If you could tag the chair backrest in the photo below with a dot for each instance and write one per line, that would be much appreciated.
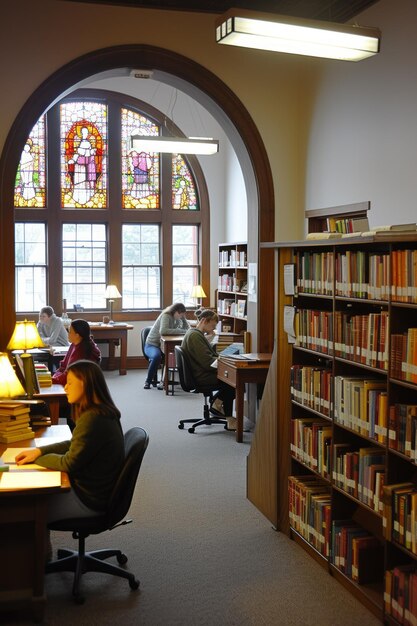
(143, 335)
(136, 441)
(185, 372)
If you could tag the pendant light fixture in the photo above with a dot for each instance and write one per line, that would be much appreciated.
(281, 33)
(175, 145)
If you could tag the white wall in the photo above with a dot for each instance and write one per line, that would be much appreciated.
(362, 141)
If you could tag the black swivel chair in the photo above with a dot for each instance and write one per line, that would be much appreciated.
(143, 335)
(188, 383)
(79, 561)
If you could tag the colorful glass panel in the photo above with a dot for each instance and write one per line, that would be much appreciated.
(84, 155)
(140, 170)
(184, 195)
(30, 185)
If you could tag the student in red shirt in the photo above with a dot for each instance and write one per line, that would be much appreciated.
(82, 347)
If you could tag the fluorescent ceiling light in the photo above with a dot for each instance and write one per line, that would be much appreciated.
(280, 33)
(175, 145)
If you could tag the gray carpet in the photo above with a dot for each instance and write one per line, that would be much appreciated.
(204, 555)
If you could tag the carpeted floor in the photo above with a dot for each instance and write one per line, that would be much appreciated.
(204, 555)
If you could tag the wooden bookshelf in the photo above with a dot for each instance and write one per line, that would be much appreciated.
(232, 288)
(321, 220)
(340, 406)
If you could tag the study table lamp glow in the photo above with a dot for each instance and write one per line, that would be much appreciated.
(281, 33)
(25, 337)
(197, 292)
(111, 294)
(10, 386)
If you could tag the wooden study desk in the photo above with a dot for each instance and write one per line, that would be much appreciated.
(113, 334)
(55, 397)
(168, 343)
(236, 374)
(23, 537)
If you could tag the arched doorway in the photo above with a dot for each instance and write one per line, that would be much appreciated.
(213, 94)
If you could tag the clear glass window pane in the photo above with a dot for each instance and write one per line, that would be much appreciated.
(184, 278)
(30, 263)
(141, 266)
(185, 245)
(84, 268)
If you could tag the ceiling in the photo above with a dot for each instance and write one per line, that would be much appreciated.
(330, 10)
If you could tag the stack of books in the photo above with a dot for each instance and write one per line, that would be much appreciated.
(14, 422)
(43, 375)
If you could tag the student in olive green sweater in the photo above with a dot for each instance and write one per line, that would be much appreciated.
(94, 457)
(202, 355)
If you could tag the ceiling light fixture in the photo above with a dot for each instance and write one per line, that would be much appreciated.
(280, 33)
(175, 145)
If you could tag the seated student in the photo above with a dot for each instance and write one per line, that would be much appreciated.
(93, 457)
(202, 354)
(82, 347)
(170, 322)
(51, 328)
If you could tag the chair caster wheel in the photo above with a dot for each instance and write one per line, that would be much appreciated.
(191, 430)
(122, 559)
(180, 426)
(134, 584)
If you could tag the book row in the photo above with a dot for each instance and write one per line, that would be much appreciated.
(400, 594)
(310, 510)
(358, 274)
(402, 435)
(399, 521)
(311, 444)
(404, 355)
(232, 258)
(356, 553)
(360, 473)
(229, 282)
(228, 306)
(361, 405)
(311, 387)
(359, 338)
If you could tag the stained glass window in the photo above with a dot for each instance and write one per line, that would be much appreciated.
(84, 155)
(184, 195)
(30, 178)
(82, 226)
(140, 170)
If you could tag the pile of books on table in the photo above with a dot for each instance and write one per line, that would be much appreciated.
(14, 422)
(43, 375)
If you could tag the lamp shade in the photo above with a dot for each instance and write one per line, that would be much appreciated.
(25, 336)
(198, 292)
(112, 292)
(175, 145)
(281, 33)
(10, 386)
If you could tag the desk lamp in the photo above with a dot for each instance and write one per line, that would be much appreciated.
(10, 386)
(111, 294)
(197, 292)
(25, 337)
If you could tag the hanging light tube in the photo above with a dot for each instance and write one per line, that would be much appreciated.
(280, 33)
(175, 145)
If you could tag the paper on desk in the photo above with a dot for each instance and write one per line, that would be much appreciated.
(10, 454)
(29, 480)
(28, 467)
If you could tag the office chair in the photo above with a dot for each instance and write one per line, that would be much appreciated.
(143, 335)
(188, 383)
(79, 561)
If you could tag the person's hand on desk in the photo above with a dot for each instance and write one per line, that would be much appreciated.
(27, 456)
